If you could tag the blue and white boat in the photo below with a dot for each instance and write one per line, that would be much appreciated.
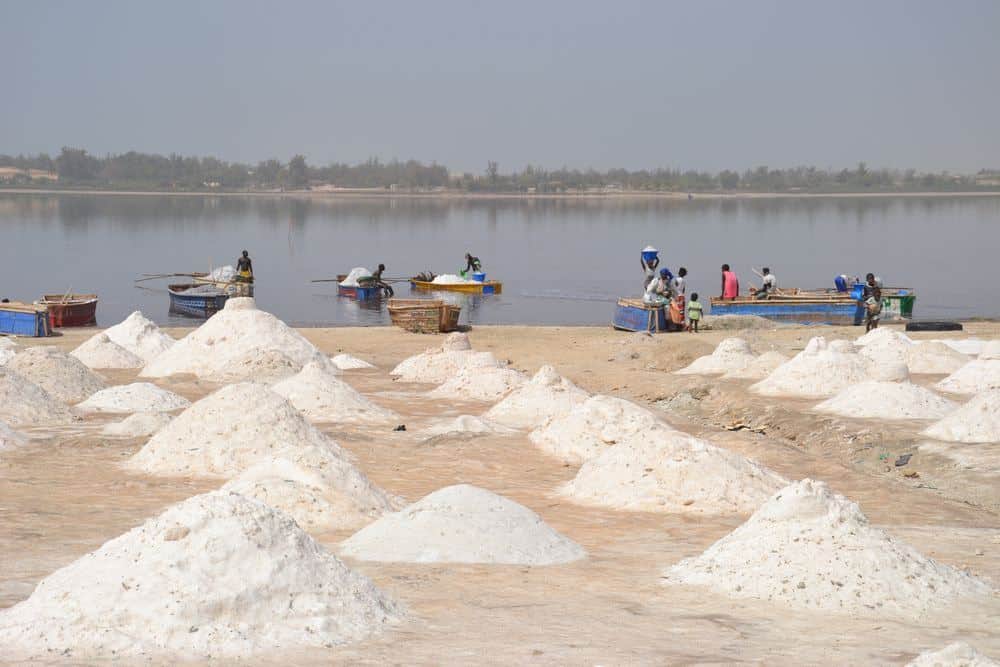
(197, 300)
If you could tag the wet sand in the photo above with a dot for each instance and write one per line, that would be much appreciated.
(65, 495)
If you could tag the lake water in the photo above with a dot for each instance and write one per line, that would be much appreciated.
(561, 261)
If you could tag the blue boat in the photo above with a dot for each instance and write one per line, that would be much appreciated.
(360, 293)
(24, 319)
(196, 300)
(636, 315)
(819, 306)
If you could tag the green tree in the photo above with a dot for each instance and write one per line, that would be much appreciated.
(298, 171)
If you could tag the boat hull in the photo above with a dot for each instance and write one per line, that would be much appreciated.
(634, 315)
(75, 311)
(488, 287)
(195, 305)
(897, 305)
(360, 293)
(22, 319)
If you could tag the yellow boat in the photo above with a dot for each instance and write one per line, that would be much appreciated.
(487, 287)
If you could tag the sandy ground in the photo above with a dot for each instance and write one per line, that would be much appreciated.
(65, 495)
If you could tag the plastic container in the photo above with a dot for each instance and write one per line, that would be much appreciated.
(858, 291)
(841, 283)
(649, 253)
(479, 277)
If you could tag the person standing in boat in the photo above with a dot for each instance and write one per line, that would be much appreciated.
(377, 277)
(872, 297)
(768, 284)
(730, 284)
(472, 263)
(244, 268)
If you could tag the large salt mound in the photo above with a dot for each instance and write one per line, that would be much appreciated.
(138, 425)
(24, 403)
(958, 654)
(936, 358)
(318, 489)
(887, 400)
(226, 432)
(99, 351)
(346, 362)
(547, 395)
(889, 347)
(9, 438)
(976, 421)
(64, 377)
(670, 471)
(818, 371)
(480, 384)
(593, 426)
(976, 376)
(218, 575)
(323, 397)
(732, 354)
(759, 368)
(462, 524)
(140, 336)
(238, 336)
(812, 548)
(437, 366)
(135, 397)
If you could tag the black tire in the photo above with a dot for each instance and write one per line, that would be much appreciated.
(934, 325)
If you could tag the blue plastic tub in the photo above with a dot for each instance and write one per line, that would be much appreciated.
(857, 291)
(479, 277)
(650, 253)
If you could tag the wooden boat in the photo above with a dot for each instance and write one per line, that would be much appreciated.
(230, 287)
(196, 300)
(424, 315)
(361, 293)
(637, 315)
(24, 319)
(818, 306)
(485, 287)
(71, 310)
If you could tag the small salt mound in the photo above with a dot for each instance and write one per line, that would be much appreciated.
(135, 397)
(9, 438)
(976, 376)
(256, 366)
(887, 400)
(990, 351)
(967, 346)
(732, 354)
(346, 362)
(958, 654)
(881, 336)
(352, 277)
(818, 371)
(99, 351)
(547, 395)
(480, 384)
(593, 426)
(238, 334)
(976, 421)
(450, 279)
(437, 366)
(218, 575)
(323, 397)
(64, 377)
(140, 336)
(670, 471)
(889, 371)
(138, 425)
(889, 347)
(759, 368)
(810, 547)
(317, 489)
(456, 342)
(934, 358)
(226, 432)
(462, 524)
(24, 403)
(466, 424)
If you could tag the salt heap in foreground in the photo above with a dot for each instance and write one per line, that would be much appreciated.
(218, 575)
(235, 343)
(885, 346)
(99, 351)
(732, 354)
(438, 365)
(671, 471)
(958, 654)
(934, 358)
(65, 378)
(140, 336)
(320, 396)
(759, 368)
(138, 425)
(480, 384)
(346, 362)
(976, 376)
(809, 547)
(135, 397)
(227, 432)
(547, 395)
(821, 369)
(976, 421)
(24, 403)
(887, 400)
(462, 524)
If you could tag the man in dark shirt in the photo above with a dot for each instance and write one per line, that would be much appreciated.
(386, 287)
(472, 263)
(244, 268)
(872, 298)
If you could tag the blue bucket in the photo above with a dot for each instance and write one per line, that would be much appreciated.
(649, 253)
(858, 292)
(479, 277)
(841, 283)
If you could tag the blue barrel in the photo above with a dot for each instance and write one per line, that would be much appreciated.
(649, 253)
(858, 291)
(479, 277)
(841, 283)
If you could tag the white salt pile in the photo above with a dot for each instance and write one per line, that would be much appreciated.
(218, 575)
(976, 376)
(450, 279)
(480, 384)
(881, 336)
(233, 338)
(967, 346)
(64, 377)
(887, 400)
(818, 371)
(226, 432)
(24, 403)
(935, 358)
(319, 490)
(466, 424)
(593, 426)
(888, 347)
(462, 524)
(138, 425)
(547, 395)
(976, 421)
(323, 397)
(261, 366)
(225, 274)
(958, 654)
(810, 547)
(135, 397)
(353, 275)
(670, 471)
(346, 362)
(140, 336)
(99, 351)
(991, 350)
(732, 354)
(759, 368)
(9, 438)
(440, 364)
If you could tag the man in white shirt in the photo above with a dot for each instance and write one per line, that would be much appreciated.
(768, 284)
(658, 290)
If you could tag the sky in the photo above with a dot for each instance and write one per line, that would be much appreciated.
(694, 85)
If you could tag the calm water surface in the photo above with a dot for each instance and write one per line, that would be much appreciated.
(561, 262)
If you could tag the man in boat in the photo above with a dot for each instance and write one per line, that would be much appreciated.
(244, 268)
(377, 278)
(472, 263)
(872, 297)
(730, 284)
(768, 284)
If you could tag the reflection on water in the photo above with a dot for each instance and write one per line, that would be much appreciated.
(561, 261)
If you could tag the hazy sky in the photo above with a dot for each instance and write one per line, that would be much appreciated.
(706, 85)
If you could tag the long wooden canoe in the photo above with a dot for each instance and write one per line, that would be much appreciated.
(818, 306)
(487, 287)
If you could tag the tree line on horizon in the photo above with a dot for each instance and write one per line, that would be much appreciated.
(78, 168)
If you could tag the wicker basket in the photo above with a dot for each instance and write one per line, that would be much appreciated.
(424, 315)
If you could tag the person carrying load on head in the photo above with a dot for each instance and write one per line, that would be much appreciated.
(730, 284)
(872, 299)
(768, 284)
(649, 260)
(244, 268)
(658, 290)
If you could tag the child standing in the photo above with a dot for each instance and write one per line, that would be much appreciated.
(694, 312)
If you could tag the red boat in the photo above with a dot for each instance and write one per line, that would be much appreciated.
(71, 310)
